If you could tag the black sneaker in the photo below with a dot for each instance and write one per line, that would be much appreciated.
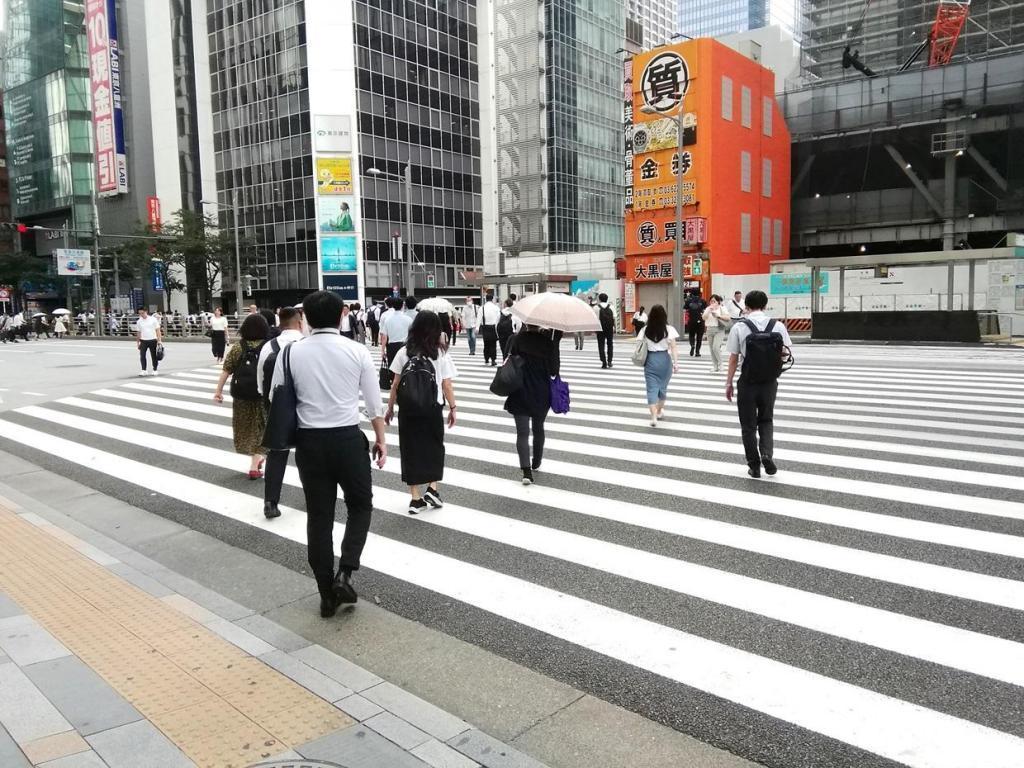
(416, 506)
(527, 476)
(604, 365)
(433, 498)
(536, 464)
(270, 510)
(344, 592)
(769, 466)
(754, 470)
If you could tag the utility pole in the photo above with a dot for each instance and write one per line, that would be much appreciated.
(674, 304)
(238, 253)
(96, 267)
(67, 280)
(408, 217)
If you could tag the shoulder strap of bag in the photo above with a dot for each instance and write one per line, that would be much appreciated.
(747, 322)
(768, 328)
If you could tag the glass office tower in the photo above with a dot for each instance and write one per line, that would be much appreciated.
(559, 109)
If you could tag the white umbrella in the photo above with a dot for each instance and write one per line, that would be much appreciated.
(38, 314)
(558, 311)
(437, 305)
(61, 312)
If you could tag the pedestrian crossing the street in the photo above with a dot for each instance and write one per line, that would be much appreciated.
(864, 607)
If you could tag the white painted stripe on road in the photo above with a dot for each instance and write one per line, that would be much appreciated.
(923, 471)
(958, 648)
(900, 527)
(969, 585)
(890, 727)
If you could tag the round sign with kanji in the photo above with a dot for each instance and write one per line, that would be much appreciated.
(5, 294)
(665, 81)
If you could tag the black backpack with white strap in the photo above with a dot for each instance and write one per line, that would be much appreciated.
(417, 389)
(766, 356)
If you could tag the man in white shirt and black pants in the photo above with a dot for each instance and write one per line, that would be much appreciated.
(735, 308)
(290, 320)
(490, 313)
(148, 336)
(330, 372)
(759, 380)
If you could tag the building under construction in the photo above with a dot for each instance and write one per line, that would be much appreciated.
(915, 147)
(885, 34)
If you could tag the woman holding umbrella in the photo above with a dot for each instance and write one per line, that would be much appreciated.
(58, 326)
(545, 317)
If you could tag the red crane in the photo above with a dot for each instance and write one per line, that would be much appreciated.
(949, 22)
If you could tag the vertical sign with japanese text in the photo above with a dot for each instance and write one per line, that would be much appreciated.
(105, 92)
(627, 130)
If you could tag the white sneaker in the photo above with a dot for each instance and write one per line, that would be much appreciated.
(654, 422)
(154, 373)
(661, 415)
(143, 373)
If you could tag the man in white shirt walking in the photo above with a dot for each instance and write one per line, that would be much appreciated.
(277, 461)
(148, 336)
(735, 308)
(470, 320)
(490, 314)
(394, 330)
(754, 348)
(330, 372)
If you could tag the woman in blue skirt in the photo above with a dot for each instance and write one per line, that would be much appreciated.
(662, 360)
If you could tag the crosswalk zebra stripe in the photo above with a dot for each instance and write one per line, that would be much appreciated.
(884, 725)
(900, 527)
(926, 576)
(958, 648)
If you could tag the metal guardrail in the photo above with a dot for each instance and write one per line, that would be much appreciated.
(1012, 329)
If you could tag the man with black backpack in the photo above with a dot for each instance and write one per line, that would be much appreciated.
(606, 315)
(507, 326)
(290, 326)
(760, 347)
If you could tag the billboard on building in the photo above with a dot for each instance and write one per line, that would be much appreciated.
(338, 254)
(73, 262)
(334, 175)
(336, 214)
(105, 91)
(332, 133)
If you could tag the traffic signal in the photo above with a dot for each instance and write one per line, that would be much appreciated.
(13, 226)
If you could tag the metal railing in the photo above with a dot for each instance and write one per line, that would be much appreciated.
(999, 326)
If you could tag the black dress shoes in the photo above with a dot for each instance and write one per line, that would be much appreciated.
(769, 465)
(344, 592)
(753, 469)
(270, 510)
(328, 606)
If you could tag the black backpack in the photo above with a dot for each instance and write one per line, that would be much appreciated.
(268, 368)
(607, 318)
(504, 327)
(417, 389)
(243, 380)
(766, 357)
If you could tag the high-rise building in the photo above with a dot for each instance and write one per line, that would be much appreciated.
(655, 19)
(712, 18)
(559, 124)
(332, 122)
(95, 93)
(886, 33)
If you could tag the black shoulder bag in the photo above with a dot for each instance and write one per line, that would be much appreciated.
(283, 420)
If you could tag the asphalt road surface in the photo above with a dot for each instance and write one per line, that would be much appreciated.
(862, 608)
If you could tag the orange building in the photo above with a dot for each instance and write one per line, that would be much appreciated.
(734, 164)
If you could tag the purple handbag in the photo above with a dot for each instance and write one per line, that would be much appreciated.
(559, 395)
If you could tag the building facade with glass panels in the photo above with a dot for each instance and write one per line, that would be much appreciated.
(713, 18)
(559, 125)
(657, 20)
(319, 107)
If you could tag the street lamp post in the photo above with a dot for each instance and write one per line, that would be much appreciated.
(674, 308)
(407, 178)
(238, 247)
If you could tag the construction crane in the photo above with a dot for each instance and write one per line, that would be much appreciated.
(942, 38)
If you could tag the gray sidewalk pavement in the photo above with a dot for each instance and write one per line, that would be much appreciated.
(418, 697)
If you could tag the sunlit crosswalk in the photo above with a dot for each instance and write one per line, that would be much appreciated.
(863, 607)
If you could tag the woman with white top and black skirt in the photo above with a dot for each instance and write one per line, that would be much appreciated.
(421, 432)
(218, 334)
(662, 360)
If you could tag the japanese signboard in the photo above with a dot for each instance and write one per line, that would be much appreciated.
(782, 283)
(332, 133)
(105, 90)
(153, 212)
(661, 131)
(656, 232)
(74, 262)
(334, 175)
(336, 214)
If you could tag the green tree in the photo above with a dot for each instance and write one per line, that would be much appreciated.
(19, 267)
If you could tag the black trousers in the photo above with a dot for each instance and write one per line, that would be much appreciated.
(273, 475)
(503, 343)
(756, 406)
(391, 350)
(327, 458)
(696, 333)
(490, 336)
(374, 333)
(150, 346)
(604, 342)
(523, 424)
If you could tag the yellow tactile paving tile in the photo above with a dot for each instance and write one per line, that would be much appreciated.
(222, 707)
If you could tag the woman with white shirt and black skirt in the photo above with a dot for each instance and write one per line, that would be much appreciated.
(218, 334)
(662, 360)
(424, 363)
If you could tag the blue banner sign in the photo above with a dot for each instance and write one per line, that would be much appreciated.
(782, 283)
